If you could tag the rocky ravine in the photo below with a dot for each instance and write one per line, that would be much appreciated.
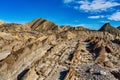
(41, 50)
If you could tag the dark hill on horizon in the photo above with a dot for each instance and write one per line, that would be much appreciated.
(118, 27)
(108, 28)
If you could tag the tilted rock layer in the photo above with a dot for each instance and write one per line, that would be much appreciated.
(41, 50)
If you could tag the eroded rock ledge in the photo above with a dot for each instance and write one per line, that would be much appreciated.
(41, 50)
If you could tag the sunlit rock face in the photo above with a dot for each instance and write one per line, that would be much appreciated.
(41, 50)
(2, 22)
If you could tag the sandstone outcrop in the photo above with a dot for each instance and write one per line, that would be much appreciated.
(1, 22)
(41, 50)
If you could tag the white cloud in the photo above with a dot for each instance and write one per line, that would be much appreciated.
(94, 5)
(67, 1)
(97, 5)
(80, 25)
(104, 21)
(96, 17)
(115, 16)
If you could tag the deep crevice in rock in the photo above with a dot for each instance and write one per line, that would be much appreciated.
(20, 76)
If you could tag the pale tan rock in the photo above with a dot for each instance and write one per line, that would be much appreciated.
(1, 22)
(40, 50)
(31, 75)
(101, 56)
(4, 54)
(71, 35)
(109, 64)
(91, 70)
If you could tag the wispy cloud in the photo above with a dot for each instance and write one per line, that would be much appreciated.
(67, 1)
(94, 5)
(96, 17)
(115, 16)
(97, 5)
(75, 25)
(80, 25)
(104, 21)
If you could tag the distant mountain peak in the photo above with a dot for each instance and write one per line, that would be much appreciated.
(108, 28)
(106, 25)
(39, 19)
(41, 24)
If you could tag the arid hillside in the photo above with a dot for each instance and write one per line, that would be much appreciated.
(42, 50)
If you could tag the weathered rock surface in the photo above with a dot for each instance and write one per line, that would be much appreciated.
(41, 50)
(1, 22)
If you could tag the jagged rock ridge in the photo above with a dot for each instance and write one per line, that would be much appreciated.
(41, 50)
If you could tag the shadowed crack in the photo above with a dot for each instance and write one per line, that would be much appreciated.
(116, 74)
(20, 76)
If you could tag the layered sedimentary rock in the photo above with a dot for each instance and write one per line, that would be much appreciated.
(41, 50)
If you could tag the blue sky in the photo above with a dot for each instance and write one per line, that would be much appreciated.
(89, 13)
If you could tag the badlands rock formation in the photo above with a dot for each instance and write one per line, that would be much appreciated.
(1, 22)
(41, 50)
